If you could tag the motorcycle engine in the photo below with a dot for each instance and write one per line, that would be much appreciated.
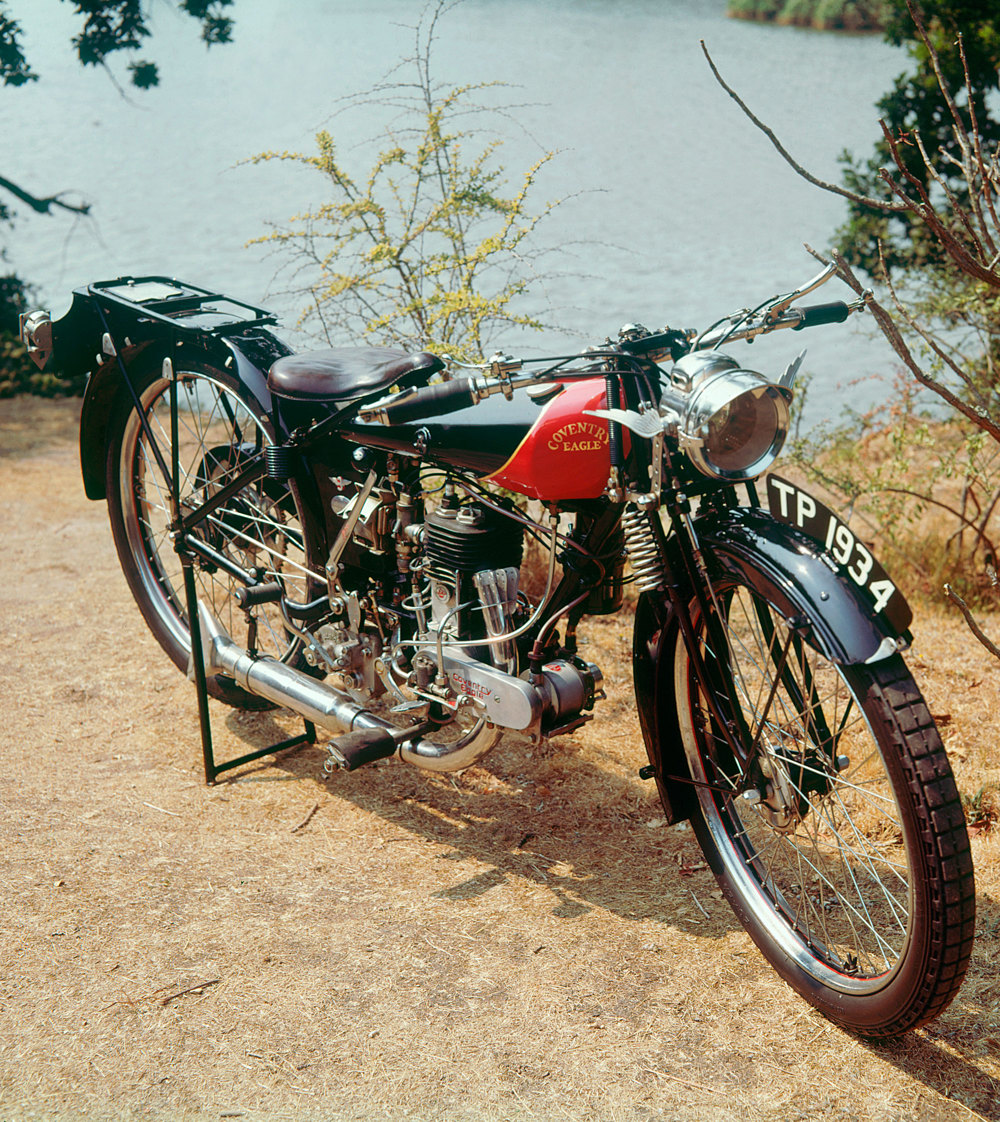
(461, 544)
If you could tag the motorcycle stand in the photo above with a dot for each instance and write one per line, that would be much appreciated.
(190, 300)
(212, 768)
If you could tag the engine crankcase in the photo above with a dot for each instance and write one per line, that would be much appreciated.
(562, 690)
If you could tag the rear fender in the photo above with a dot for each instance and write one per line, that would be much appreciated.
(779, 562)
(248, 358)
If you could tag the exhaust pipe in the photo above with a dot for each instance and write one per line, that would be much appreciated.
(333, 710)
(282, 684)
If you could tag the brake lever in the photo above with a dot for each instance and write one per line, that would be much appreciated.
(782, 306)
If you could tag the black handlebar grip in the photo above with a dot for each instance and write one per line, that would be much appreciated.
(429, 401)
(819, 314)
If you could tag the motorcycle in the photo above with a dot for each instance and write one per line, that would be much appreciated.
(347, 529)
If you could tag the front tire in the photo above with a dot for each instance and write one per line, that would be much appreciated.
(840, 840)
(265, 527)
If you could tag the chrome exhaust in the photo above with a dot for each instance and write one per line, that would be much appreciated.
(330, 708)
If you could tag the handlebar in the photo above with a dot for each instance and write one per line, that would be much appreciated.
(795, 318)
(427, 401)
(835, 312)
(501, 375)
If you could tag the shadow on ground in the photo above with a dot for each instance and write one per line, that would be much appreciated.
(590, 845)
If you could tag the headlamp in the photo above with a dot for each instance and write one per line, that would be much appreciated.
(731, 422)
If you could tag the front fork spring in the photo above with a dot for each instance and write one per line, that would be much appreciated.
(643, 546)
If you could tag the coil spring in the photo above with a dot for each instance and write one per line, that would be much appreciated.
(643, 549)
(279, 461)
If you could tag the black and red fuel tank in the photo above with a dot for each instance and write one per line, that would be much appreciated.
(545, 447)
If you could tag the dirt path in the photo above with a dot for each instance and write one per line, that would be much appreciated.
(527, 941)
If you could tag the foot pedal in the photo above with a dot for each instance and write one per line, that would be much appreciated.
(355, 749)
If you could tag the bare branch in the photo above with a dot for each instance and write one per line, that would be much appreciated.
(979, 417)
(41, 205)
(936, 64)
(924, 209)
(956, 207)
(887, 325)
(988, 176)
(833, 188)
(965, 523)
(973, 626)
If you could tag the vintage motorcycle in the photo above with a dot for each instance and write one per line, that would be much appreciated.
(348, 529)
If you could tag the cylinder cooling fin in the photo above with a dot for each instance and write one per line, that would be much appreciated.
(471, 538)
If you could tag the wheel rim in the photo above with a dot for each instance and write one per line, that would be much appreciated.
(260, 528)
(821, 861)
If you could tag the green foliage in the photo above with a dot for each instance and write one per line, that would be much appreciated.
(14, 298)
(755, 9)
(827, 15)
(14, 68)
(428, 248)
(916, 106)
(982, 812)
(110, 26)
(18, 374)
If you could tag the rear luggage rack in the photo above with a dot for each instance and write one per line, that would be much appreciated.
(184, 307)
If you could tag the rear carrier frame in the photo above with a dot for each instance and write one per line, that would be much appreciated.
(141, 305)
(177, 304)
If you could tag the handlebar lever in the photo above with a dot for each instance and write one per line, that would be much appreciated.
(777, 310)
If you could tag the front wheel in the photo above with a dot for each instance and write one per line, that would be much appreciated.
(834, 827)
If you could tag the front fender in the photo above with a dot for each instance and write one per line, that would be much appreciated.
(769, 556)
(654, 641)
(779, 562)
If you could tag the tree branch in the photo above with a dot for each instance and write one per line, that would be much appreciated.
(887, 325)
(42, 205)
(973, 626)
(833, 188)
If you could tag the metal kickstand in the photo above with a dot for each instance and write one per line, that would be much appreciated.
(186, 558)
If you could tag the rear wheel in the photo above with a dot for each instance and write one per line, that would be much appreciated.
(835, 829)
(264, 527)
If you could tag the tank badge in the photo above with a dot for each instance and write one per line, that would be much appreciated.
(579, 436)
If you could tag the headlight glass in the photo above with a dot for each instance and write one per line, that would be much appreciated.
(742, 433)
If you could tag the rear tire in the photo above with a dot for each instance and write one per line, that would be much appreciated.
(265, 526)
(852, 871)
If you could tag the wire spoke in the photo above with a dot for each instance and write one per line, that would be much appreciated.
(824, 845)
(258, 527)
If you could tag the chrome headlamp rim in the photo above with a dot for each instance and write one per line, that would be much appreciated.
(732, 422)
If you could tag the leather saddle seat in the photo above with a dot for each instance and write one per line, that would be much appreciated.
(345, 373)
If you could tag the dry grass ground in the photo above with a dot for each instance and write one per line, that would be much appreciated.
(526, 941)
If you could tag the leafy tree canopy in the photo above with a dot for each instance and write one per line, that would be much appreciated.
(108, 26)
(915, 113)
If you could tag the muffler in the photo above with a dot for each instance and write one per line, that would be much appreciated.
(331, 709)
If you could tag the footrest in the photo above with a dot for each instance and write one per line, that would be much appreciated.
(355, 749)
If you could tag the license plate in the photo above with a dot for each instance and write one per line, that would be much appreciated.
(838, 542)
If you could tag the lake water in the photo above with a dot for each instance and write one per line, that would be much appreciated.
(680, 209)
